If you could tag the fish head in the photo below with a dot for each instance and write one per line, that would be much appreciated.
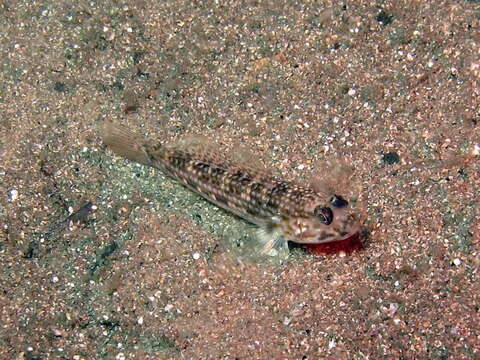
(323, 222)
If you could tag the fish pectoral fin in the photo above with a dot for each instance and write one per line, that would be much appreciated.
(271, 240)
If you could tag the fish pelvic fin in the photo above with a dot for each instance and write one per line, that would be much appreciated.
(271, 240)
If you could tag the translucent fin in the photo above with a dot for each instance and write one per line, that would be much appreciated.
(124, 142)
(213, 150)
(332, 176)
(246, 242)
(271, 240)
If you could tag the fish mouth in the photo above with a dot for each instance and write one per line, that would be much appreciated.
(348, 226)
(352, 231)
(339, 236)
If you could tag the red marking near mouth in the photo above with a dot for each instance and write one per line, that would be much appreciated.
(348, 246)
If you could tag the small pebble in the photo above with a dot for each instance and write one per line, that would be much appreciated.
(391, 158)
(12, 195)
(476, 150)
(392, 309)
(331, 344)
(196, 256)
(384, 18)
(457, 262)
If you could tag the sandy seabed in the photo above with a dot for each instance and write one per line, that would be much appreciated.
(104, 259)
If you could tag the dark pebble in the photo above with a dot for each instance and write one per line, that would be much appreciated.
(391, 158)
(384, 18)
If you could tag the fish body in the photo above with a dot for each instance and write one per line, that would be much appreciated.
(283, 211)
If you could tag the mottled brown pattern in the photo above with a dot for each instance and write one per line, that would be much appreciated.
(287, 210)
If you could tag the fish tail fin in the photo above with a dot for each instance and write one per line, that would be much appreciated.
(124, 142)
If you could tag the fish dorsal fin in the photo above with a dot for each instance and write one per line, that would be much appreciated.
(239, 158)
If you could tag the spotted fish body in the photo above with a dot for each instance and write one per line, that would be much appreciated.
(284, 211)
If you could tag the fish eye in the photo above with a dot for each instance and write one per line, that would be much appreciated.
(324, 213)
(338, 202)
